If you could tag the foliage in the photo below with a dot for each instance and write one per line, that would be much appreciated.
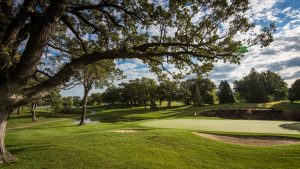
(134, 92)
(225, 93)
(112, 95)
(185, 95)
(80, 33)
(55, 100)
(77, 101)
(197, 99)
(68, 103)
(96, 99)
(206, 87)
(209, 97)
(170, 90)
(261, 87)
(294, 91)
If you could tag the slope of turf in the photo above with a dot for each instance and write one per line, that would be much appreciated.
(245, 126)
(65, 145)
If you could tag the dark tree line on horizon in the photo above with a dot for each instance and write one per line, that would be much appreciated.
(254, 88)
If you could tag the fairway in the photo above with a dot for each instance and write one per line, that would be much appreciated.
(245, 126)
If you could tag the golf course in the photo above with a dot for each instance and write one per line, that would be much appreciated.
(122, 137)
(149, 84)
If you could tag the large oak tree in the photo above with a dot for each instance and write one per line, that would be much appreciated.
(36, 38)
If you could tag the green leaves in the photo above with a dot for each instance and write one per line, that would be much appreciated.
(261, 87)
(243, 49)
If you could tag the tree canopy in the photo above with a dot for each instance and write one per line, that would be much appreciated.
(294, 91)
(225, 93)
(71, 34)
(261, 87)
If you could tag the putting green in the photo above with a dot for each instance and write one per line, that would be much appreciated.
(245, 126)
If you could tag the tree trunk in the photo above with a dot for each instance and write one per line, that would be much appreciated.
(19, 110)
(33, 108)
(83, 113)
(145, 104)
(169, 103)
(160, 100)
(153, 105)
(5, 156)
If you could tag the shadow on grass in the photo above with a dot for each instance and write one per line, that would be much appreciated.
(20, 149)
(291, 126)
(124, 113)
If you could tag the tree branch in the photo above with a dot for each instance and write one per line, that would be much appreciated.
(18, 22)
(69, 25)
(96, 28)
(37, 41)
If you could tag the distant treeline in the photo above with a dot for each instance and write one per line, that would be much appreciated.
(254, 88)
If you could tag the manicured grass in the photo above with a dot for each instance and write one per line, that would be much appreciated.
(65, 145)
(245, 126)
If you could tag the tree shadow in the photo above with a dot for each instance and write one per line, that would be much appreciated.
(291, 126)
(15, 150)
(120, 113)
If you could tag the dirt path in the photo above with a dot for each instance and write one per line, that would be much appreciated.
(36, 124)
(251, 140)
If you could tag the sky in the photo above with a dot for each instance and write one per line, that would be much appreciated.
(282, 56)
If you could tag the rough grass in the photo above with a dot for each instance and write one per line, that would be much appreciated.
(64, 145)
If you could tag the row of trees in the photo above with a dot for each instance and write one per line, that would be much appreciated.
(140, 91)
(254, 88)
(261, 87)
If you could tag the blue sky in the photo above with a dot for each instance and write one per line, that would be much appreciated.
(282, 56)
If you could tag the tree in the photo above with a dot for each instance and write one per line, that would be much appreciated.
(19, 110)
(185, 95)
(33, 109)
(96, 98)
(225, 93)
(207, 90)
(96, 75)
(261, 87)
(294, 91)
(68, 103)
(77, 101)
(169, 90)
(197, 99)
(148, 90)
(115, 30)
(209, 97)
(111, 95)
(55, 101)
(139, 92)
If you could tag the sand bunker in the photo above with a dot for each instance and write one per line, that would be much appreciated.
(251, 140)
(130, 130)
